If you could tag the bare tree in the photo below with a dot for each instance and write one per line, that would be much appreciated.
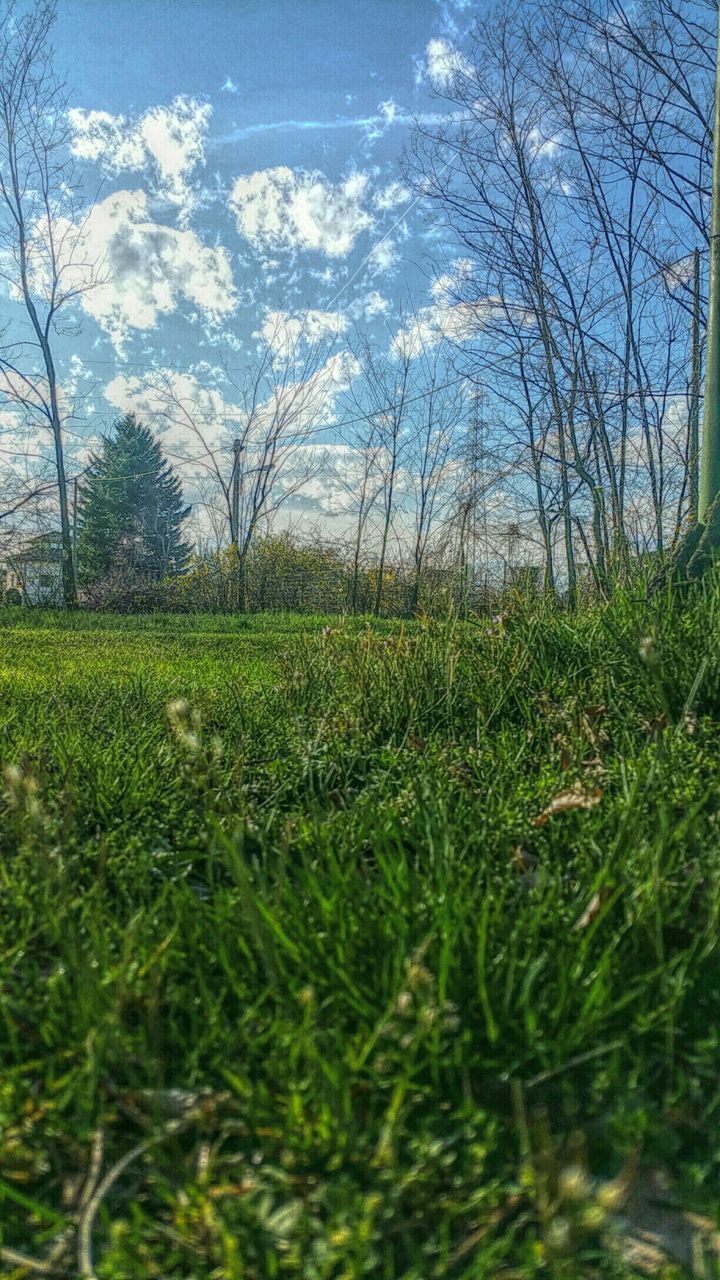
(382, 392)
(572, 170)
(433, 454)
(363, 484)
(42, 247)
(256, 447)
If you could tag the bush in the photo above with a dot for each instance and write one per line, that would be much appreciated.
(283, 575)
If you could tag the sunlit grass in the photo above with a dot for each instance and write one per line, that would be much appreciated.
(390, 952)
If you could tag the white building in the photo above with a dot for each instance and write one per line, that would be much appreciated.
(36, 571)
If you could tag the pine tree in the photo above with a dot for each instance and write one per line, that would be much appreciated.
(130, 510)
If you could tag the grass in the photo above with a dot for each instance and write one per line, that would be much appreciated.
(387, 951)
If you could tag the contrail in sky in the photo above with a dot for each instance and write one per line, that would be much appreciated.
(341, 122)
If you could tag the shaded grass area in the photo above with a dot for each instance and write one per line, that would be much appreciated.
(390, 951)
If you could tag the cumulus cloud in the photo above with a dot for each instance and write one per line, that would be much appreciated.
(309, 403)
(291, 209)
(456, 321)
(391, 196)
(18, 438)
(283, 331)
(542, 145)
(192, 417)
(447, 285)
(188, 415)
(29, 394)
(450, 13)
(169, 140)
(333, 483)
(388, 114)
(384, 256)
(443, 62)
(148, 268)
(368, 306)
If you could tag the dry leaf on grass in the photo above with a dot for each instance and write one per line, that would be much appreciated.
(594, 765)
(591, 912)
(576, 797)
(657, 725)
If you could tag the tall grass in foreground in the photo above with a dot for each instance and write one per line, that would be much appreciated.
(359, 952)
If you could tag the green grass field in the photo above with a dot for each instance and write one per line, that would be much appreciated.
(333, 951)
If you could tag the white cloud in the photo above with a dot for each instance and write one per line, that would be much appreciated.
(458, 321)
(169, 139)
(282, 331)
(108, 140)
(448, 284)
(443, 62)
(391, 196)
(149, 268)
(388, 114)
(389, 110)
(384, 256)
(29, 394)
(448, 315)
(230, 86)
(542, 145)
(18, 439)
(450, 11)
(333, 487)
(190, 416)
(172, 402)
(310, 403)
(291, 209)
(368, 306)
(677, 274)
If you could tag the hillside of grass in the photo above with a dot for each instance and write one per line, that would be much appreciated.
(339, 950)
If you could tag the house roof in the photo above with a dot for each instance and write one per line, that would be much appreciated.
(45, 549)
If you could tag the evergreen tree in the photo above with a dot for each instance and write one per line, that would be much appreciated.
(130, 509)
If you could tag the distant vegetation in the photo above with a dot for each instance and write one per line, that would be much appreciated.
(283, 573)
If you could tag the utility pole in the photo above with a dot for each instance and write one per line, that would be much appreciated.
(694, 415)
(235, 523)
(235, 505)
(475, 463)
(74, 527)
(710, 456)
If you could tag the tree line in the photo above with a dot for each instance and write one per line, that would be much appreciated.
(542, 413)
(575, 173)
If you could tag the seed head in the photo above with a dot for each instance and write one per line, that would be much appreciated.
(184, 724)
(404, 1004)
(573, 1183)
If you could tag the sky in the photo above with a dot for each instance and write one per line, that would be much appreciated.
(244, 160)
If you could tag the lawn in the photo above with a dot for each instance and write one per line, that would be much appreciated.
(332, 950)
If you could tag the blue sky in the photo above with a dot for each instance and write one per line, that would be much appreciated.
(317, 88)
(245, 159)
